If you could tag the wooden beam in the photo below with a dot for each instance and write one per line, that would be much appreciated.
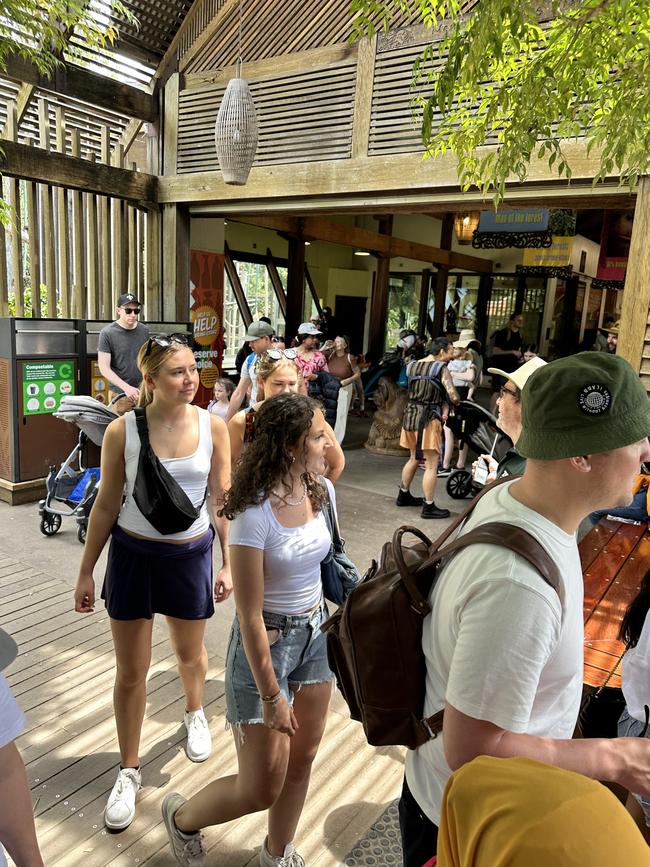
(170, 125)
(13, 188)
(363, 97)
(63, 235)
(23, 98)
(103, 213)
(312, 289)
(4, 285)
(442, 277)
(130, 134)
(237, 288)
(87, 86)
(636, 295)
(295, 287)
(379, 308)
(31, 201)
(34, 164)
(152, 266)
(78, 307)
(423, 312)
(278, 288)
(175, 263)
(47, 215)
(320, 229)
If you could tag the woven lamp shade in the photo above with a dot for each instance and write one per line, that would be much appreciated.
(465, 224)
(235, 132)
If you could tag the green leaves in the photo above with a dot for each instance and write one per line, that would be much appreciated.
(524, 87)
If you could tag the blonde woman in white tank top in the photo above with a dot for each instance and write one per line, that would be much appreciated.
(151, 573)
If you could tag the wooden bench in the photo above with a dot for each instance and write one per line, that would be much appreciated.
(614, 558)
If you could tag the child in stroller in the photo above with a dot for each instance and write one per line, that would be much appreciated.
(475, 427)
(71, 492)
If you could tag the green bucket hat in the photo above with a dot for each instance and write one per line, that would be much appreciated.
(588, 403)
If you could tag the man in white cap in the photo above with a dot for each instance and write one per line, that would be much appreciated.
(258, 336)
(509, 419)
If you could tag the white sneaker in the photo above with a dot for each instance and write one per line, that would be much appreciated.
(289, 858)
(188, 849)
(120, 808)
(199, 740)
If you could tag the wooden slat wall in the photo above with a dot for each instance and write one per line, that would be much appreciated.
(272, 29)
(84, 248)
(304, 116)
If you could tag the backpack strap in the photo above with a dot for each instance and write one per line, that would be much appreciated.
(140, 414)
(507, 536)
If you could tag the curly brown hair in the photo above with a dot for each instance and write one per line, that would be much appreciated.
(280, 423)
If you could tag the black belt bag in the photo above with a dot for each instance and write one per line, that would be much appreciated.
(156, 492)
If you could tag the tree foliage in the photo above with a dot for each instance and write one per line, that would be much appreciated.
(528, 77)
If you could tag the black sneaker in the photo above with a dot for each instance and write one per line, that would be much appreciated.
(430, 510)
(445, 471)
(406, 498)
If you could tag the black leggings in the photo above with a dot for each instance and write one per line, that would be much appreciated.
(419, 834)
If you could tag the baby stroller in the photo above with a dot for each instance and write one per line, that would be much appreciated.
(71, 492)
(476, 427)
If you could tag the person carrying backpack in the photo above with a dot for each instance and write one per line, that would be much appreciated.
(503, 649)
(430, 389)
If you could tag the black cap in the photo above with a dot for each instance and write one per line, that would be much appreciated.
(127, 298)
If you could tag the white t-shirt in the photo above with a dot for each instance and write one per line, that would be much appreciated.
(635, 674)
(249, 371)
(292, 555)
(500, 644)
(12, 722)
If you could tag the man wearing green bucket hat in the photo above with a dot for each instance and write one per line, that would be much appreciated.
(504, 649)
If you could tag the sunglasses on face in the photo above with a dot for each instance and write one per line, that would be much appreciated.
(276, 354)
(130, 311)
(164, 340)
(513, 394)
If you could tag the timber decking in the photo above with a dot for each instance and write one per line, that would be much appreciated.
(63, 679)
(614, 558)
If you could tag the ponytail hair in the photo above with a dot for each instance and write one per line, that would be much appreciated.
(635, 615)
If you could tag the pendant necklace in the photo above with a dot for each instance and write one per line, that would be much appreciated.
(289, 502)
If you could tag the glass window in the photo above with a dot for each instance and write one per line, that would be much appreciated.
(403, 305)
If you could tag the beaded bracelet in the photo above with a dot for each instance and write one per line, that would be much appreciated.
(272, 699)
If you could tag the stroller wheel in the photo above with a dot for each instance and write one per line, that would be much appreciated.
(459, 484)
(81, 533)
(50, 524)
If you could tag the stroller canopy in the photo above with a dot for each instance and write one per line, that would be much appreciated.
(90, 416)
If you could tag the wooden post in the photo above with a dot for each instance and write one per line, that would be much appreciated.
(90, 213)
(379, 308)
(636, 295)
(118, 285)
(4, 283)
(442, 277)
(482, 305)
(367, 49)
(295, 287)
(31, 199)
(568, 314)
(278, 288)
(152, 265)
(13, 189)
(63, 237)
(423, 312)
(176, 263)
(47, 215)
(106, 311)
(78, 308)
(131, 216)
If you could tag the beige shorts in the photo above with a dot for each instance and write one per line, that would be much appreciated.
(431, 437)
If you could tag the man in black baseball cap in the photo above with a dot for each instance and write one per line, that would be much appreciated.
(504, 648)
(117, 353)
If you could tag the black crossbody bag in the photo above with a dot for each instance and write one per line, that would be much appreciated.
(156, 492)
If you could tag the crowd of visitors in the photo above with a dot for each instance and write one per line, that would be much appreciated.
(506, 783)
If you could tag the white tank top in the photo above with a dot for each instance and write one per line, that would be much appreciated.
(190, 472)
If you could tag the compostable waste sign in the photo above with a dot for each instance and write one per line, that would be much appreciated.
(44, 384)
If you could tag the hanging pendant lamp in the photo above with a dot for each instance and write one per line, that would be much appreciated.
(235, 130)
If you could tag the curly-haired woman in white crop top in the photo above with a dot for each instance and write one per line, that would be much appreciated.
(150, 573)
(278, 682)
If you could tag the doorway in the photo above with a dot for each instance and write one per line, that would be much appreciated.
(350, 313)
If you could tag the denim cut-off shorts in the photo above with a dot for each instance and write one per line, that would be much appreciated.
(299, 656)
(629, 727)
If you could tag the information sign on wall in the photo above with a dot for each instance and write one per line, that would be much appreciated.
(206, 312)
(525, 220)
(44, 384)
(559, 253)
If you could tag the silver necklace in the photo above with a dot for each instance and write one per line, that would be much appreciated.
(289, 502)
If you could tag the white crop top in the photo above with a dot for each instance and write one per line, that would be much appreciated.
(190, 472)
(292, 555)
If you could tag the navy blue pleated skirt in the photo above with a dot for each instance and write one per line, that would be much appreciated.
(146, 577)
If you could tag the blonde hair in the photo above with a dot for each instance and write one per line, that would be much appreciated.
(151, 362)
(266, 366)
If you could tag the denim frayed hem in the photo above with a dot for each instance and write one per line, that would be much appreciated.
(237, 730)
(296, 686)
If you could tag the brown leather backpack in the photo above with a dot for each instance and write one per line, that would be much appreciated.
(374, 641)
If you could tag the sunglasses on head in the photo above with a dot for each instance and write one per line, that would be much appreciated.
(164, 340)
(276, 354)
(130, 310)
